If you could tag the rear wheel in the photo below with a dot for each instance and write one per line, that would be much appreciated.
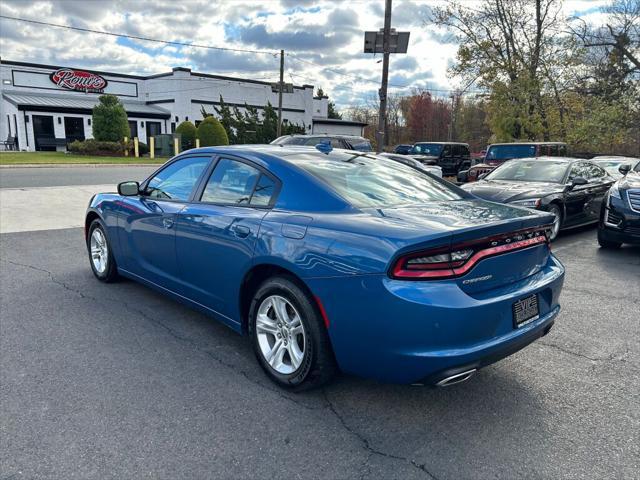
(289, 337)
(604, 243)
(101, 258)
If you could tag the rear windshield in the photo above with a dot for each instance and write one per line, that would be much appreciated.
(290, 141)
(530, 171)
(427, 148)
(375, 182)
(506, 152)
(360, 144)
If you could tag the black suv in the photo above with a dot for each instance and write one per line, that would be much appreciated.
(349, 142)
(450, 156)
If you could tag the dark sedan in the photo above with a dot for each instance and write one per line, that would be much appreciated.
(620, 216)
(569, 188)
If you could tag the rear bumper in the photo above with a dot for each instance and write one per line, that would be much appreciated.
(492, 354)
(421, 332)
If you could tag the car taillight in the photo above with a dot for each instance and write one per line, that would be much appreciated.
(459, 259)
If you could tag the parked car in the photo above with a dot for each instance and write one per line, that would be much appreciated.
(412, 162)
(350, 142)
(499, 153)
(613, 163)
(570, 189)
(403, 149)
(620, 214)
(450, 156)
(334, 259)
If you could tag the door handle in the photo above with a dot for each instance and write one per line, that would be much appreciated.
(167, 223)
(241, 231)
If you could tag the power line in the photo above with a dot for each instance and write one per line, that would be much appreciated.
(136, 37)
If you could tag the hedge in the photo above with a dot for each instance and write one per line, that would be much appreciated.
(96, 147)
(211, 132)
(188, 131)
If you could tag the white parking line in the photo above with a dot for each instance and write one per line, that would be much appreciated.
(45, 208)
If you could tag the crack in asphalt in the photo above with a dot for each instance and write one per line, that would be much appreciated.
(367, 445)
(586, 291)
(172, 332)
(178, 336)
(609, 358)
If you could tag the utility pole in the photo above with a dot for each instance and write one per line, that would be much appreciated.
(382, 115)
(280, 86)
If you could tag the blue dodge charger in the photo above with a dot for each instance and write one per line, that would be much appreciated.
(334, 259)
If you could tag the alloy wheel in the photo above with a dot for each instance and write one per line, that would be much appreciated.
(281, 334)
(99, 251)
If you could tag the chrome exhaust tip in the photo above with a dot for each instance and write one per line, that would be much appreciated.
(457, 378)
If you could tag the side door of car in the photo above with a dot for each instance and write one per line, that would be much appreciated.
(579, 197)
(148, 230)
(217, 232)
(599, 184)
(446, 159)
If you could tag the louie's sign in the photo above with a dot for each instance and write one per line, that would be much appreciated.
(78, 80)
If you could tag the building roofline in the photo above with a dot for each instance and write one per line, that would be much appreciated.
(148, 77)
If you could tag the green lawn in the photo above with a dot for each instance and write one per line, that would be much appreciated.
(22, 158)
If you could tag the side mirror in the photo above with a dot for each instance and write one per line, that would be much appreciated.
(577, 181)
(129, 189)
(624, 168)
(463, 176)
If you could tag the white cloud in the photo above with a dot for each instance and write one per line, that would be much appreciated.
(327, 33)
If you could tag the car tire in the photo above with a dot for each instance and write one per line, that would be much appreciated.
(294, 359)
(604, 243)
(555, 210)
(101, 259)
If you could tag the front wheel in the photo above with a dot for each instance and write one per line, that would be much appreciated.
(557, 221)
(604, 243)
(101, 258)
(289, 337)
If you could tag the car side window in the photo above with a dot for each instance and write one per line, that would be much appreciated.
(464, 151)
(596, 173)
(579, 169)
(177, 180)
(237, 183)
(263, 193)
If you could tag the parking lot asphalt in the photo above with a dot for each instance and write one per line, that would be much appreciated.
(117, 381)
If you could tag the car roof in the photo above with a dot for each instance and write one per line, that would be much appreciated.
(545, 158)
(332, 135)
(441, 143)
(528, 143)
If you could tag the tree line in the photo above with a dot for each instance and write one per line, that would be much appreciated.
(543, 76)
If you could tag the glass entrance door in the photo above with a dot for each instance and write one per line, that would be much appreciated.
(153, 129)
(73, 129)
(43, 132)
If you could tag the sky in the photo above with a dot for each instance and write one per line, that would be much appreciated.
(323, 40)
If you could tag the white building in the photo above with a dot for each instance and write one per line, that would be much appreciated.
(44, 106)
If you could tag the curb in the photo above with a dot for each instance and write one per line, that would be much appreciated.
(84, 165)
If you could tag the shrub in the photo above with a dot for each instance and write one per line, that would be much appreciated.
(96, 147)
(109, 120)
(211, 132)
(143, 148)
(188, 131)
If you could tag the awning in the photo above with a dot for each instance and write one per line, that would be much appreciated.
(79, 104)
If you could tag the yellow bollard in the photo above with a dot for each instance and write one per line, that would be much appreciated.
(175, 146)
(197, 143)
(126, 146)
(151, 147)
(135, 147)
